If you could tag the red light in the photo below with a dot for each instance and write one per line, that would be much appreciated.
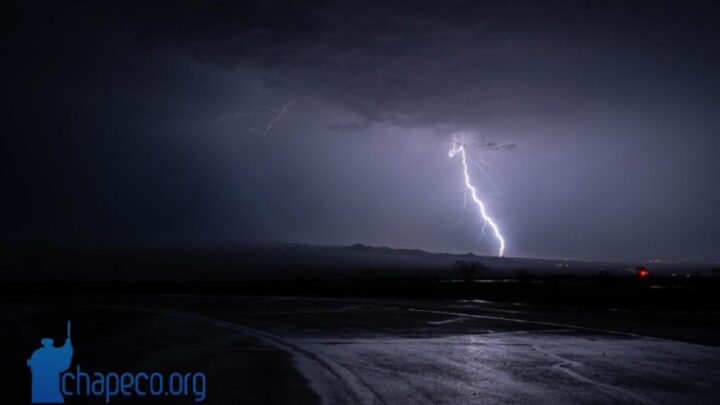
(642, 272)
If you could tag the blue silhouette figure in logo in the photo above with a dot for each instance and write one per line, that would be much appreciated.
(46, 364)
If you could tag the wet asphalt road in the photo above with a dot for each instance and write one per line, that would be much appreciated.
(305, 350)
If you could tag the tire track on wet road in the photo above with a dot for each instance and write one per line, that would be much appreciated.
(334, 383)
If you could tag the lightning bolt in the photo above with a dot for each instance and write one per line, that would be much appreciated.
(279, 113)
(479, 165)
(488, 221)
(462, 210)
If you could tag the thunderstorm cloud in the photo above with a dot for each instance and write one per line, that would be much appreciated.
(113, 131)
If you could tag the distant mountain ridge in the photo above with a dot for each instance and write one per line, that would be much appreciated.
(277, 261)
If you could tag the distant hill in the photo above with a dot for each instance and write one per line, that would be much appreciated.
(284, 261)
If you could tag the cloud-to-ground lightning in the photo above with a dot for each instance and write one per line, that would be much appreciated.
(279, 113)
(473, 193)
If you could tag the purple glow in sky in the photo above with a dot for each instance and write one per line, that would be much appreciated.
(598, 120)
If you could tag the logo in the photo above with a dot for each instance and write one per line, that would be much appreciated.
(46, 364)
(52, 383)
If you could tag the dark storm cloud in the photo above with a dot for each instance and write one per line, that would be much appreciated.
(492, 146)
(450, 63)
(607, 112)
(407, 64)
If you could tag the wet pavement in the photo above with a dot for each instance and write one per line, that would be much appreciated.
(313, 350)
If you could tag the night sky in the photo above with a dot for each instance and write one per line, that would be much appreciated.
(599, 124)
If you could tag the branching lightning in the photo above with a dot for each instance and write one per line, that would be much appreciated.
(464, 207)
(279, 113)
(457, 147)
(472, 192)
(489, 178)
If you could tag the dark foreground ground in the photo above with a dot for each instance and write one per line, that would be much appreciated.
(304, 350)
